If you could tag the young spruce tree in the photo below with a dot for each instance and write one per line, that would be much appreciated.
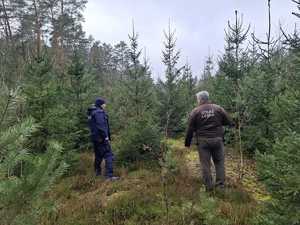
(279, 168)
(171, 108)
(234, 67)
(140, 137)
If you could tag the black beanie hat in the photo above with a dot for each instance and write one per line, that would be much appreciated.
(99, 102)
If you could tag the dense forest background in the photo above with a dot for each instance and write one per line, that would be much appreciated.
(50, 73)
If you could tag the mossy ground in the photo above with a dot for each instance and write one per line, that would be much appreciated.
(138, 197)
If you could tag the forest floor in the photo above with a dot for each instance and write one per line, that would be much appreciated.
(139, 197)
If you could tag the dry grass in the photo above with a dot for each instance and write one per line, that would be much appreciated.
(249, 184)
(137, 198)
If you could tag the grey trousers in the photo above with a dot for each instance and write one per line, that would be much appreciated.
(208, 149)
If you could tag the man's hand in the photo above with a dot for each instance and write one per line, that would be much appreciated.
(106, 140)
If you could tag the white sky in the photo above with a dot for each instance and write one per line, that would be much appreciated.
(199, 24)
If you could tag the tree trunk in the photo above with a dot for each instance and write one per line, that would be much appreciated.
(7, 27)
(238, 139)
(38, 31)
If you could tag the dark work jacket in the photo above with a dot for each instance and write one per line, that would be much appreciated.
(98, 124)
(207, 121)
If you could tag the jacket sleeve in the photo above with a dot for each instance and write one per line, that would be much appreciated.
(190, 130)
(108, 128)
(101, 124)
(227, 120)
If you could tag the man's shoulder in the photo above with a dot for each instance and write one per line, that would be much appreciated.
(99, 111)
(196, 110)
(204, 107)
(217, 107)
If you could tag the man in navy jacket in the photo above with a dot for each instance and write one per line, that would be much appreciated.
(100, 136)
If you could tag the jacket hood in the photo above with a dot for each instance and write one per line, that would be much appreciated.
(91, 109)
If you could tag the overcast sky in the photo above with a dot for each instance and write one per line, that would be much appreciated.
(199, 24)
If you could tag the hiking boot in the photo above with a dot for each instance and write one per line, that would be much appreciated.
(97, 173)
(220, 187)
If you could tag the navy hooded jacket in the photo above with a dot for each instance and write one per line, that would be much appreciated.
(98, 123)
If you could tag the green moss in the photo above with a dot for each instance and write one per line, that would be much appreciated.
(133, 207)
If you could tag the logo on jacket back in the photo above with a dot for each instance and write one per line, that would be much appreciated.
(207, 114)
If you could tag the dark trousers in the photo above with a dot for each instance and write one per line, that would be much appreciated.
(103, 151)
(212, 148)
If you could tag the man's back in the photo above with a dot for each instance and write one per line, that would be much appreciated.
(207, 121)
(98, 123)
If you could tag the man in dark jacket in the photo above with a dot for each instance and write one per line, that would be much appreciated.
(207, 121)
(100, 136)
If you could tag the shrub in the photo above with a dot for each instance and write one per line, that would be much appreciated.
(139, 142)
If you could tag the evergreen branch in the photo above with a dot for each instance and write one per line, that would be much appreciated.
(5, 109)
